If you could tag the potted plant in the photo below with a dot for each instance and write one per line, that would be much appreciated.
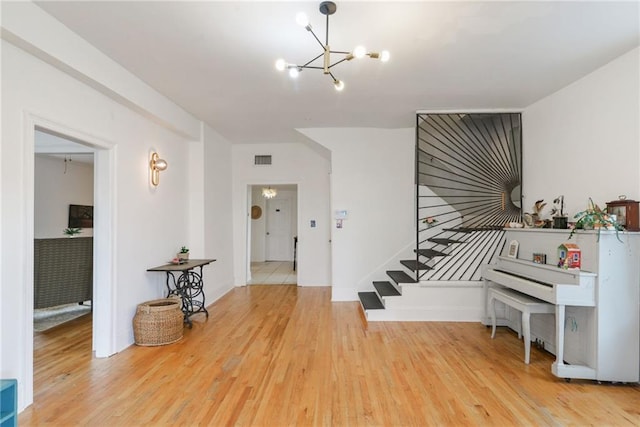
(559, 218)
(597, 218)
(71, 232)
(183, 254)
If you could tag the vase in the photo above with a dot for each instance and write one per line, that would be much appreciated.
(560, 222)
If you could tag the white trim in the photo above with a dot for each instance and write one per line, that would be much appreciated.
(447, 284)
(342, 294)
(471, 111)
(247, 214)
(104, 287)
(26, 326)
(426, 314)
(104, 290)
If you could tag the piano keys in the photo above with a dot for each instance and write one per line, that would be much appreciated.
(546, 282)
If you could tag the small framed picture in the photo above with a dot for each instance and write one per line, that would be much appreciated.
(539, 258)
(512, 251)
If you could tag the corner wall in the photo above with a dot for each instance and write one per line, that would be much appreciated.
(584, 140)
(372, 178)
(218, 199)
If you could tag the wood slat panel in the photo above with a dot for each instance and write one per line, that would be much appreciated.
(283, 355)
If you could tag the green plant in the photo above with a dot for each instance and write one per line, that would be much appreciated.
(184, 250)
(72, 231)
(595, 217)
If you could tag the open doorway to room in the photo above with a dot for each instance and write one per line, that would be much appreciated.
(274, 234)
(63, 251)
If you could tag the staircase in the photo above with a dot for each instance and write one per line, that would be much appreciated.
(467, 188)
(442, 283)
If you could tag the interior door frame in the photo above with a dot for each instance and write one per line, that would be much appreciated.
(103, 344)
(248, 202)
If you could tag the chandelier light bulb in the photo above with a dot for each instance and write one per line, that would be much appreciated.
(325, 61)
(302, 19)
(269, 193)
(359, 51)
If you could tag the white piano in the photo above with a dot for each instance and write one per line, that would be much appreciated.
(595, 333)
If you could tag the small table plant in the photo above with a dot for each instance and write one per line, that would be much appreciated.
(595, 218)
(71, 232)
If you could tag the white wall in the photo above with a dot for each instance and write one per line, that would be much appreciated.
(147, 225)
(55, 190)
(218, 199)
(146, 234)
(372, 177)
(292, 164)
(584, 140)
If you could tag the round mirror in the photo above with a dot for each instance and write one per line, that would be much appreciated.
(256, 212)
(516, 196)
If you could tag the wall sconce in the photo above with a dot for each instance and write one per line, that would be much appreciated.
(156, 165)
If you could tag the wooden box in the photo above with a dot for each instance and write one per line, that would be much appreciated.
(626, 212)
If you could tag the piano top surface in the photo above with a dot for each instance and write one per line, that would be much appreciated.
(519, 265)
(547, 282)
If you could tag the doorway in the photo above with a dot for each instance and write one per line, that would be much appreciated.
(104, 161)
(273, 227)
(63, 230)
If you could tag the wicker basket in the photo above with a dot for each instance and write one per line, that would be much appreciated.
(158, 322)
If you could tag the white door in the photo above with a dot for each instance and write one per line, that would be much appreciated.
(279, 239)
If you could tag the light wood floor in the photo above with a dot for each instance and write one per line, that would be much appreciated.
(283, 355)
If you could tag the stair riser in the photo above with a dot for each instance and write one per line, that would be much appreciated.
(438, 298)
(464, 303)
(431, 314)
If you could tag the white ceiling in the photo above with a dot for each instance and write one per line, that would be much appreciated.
(216, 59)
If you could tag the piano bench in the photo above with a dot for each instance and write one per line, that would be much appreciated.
(524, 303)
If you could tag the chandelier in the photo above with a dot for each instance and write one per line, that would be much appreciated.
(327, 8)
(269, 193)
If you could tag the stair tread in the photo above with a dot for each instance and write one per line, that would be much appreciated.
(414, 265)
(444, 241)
(472, 229)
(399, 276)
(386, 289)
(460, 229)
(430, 253)
(370, 301)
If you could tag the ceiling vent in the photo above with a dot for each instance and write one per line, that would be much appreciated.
(262, 159)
